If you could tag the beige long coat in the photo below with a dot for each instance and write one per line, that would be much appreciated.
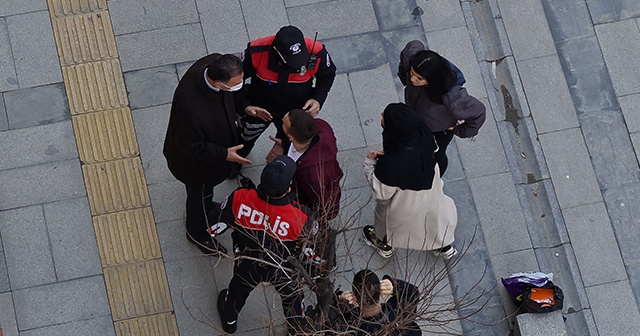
(417, 220)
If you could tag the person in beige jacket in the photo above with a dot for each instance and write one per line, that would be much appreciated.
(412, 210)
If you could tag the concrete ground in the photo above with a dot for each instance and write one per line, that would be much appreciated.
(92, 222)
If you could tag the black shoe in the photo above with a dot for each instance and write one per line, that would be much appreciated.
(228, 326)
(210, 247)
(370, 238)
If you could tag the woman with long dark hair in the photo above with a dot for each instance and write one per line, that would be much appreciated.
(433, 88)
(412, 210)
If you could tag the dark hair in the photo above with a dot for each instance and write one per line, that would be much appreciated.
(303, 126)
(366, 287)
(224, 67)
(433, 67)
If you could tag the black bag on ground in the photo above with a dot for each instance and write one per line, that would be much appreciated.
(544, 299)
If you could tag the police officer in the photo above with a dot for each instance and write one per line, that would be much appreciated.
(269, 226)
(282, 69)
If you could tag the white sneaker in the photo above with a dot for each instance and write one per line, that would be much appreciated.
(446, 255)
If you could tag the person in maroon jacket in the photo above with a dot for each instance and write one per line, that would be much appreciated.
(312, 144)
(270, 226)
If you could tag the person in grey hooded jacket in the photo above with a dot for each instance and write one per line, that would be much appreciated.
(434, 89)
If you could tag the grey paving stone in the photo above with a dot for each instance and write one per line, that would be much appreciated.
(609, 11)
(93, 327)
(396, 14)
(34, 49)
(580, 323)
(635, 140)
(168, 201)
(487, 30)
(73, 240)
(4, 122)
(340, 112)
(372, 90)
(223, 27)
(618, 40)
(351, 164)
(182, 68)
(542, 214)
(622, 205)
(348, 17)
(357, 52)
(150, 87)
(193, 293)
(29, 261)
(461, 54)
(568, 19)
(61, 302)
(9, 7)
(40, 184)
(8, 316)
(36, 106)
(570, 168)
(8, 78)
(173, 242)
(614, 313)
(550, 324)
(542, 79)
(483, 154)
(37, 145)
(589, 226)
(609, 147)
(630, 106)
(500, 213)
(161, 47)
(136, 16)
(258, 24)
(439, 15)
(561, 262)
(151, 125)
(586, 74)
(4, 276)
(520, 19)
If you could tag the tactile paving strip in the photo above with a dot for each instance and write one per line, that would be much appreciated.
(134, 272)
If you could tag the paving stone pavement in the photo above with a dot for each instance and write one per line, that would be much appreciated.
(551, 183)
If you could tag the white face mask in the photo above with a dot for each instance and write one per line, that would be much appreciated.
(233, 88)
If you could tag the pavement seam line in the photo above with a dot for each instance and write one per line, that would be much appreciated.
(130, 254)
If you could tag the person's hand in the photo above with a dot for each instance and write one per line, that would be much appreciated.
(386, 288)
(374, 154)
(349, 297)
(259, 112)
(276, 150)
(312, 107)
(232, 155)
(458, 123)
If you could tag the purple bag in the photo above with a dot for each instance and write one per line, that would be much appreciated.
(518, 282)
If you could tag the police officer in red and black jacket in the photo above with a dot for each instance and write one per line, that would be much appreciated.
(269, 226)
(282, 68)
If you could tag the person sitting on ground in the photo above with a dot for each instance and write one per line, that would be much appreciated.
(366, 315)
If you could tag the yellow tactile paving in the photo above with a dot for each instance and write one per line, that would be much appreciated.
(95, 86)
(105, 135)
(116, 185)
(153, 325)
(137, 289)
(127, 236)
(134, 272)
(85, 38)
(73, 7)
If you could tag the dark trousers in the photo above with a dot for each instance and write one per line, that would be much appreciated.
(199, 203)
(247, 274)
(253, 127)
(443, 138)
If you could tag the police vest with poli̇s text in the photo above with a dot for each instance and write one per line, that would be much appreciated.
(260, 60)
(284, 222)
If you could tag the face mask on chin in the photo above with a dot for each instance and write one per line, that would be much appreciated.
(233, 88)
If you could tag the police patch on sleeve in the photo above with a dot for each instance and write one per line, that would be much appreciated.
(315, 228)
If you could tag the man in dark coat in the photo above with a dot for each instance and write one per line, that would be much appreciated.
(288, 71)
(203, 138)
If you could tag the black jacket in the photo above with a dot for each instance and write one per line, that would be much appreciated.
(202, 125)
